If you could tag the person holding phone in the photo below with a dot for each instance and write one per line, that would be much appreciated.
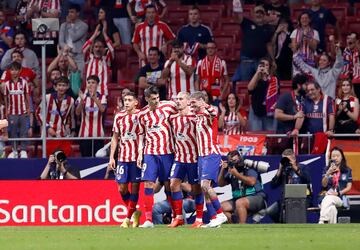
(347, 109)
(264, 90)
(336, 181)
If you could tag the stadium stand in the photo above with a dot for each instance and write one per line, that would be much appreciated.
(227, 34)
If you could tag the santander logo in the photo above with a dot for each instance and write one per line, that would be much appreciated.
(54, 213)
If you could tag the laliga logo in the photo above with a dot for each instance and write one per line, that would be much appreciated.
(51, 213)
(248, 139)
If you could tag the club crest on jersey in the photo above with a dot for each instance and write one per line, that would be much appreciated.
(161, 116)
(180, 137)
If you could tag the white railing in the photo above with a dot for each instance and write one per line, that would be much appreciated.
(109, 138)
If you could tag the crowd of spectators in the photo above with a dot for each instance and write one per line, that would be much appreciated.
(273, 49)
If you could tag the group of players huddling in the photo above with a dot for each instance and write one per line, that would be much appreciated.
(168, 142)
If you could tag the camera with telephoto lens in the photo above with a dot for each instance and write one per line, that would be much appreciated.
(60, 156)
(259, 166)
(285, 162)
(239, 165)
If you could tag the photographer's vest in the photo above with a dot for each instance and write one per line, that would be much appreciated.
(245, 190)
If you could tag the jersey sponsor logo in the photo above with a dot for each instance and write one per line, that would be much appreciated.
(16, 92)
(91, 109)
(154, 129)
(129, 136)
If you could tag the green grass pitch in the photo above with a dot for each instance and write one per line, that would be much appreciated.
(254, 237)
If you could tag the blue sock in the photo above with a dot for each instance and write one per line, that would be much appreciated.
(199, 198)
(176, 196)
(210, 209)
(125, 197)
(216, 204)
(134, 197)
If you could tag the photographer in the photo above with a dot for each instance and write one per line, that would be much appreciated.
(248, 196)
(289, 172)
(58, 168)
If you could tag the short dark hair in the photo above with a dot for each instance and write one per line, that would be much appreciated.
(194, 7)
(176, 44)
(154, 49)
(299, 79)
(15, 65)
(16, 51)
(93, 77)
(75, 7)
(20, 33)
(100, 39)
(152, 90)
(233, 153)
(63, 79)
(150, 6)
(316, 84)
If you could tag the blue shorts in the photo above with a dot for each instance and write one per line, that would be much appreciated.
(127, 172)
(157, 166)
(180, 170)
(209, 167)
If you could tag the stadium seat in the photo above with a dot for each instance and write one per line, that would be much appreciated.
(296, 10)
(75, 150)
(353, 24)
(224, 37)
(357, 9)
(340, 10)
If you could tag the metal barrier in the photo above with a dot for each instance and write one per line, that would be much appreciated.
(109, 138)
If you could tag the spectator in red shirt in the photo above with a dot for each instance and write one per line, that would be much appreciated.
(211, 74)
(91, 107)
(99, 54)
(151, 33)
(17, 106)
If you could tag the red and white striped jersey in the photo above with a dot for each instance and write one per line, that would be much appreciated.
(152, 36)
(2, 116)
(184, 131)
(179, 81)
(232, 123)
(155, 125)
(60, 116)
(47, 6)
(26, 73)
(16, 93)
(99, 66)
(127, 127)
(91, 117)
(206, 132)
(351, 69)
